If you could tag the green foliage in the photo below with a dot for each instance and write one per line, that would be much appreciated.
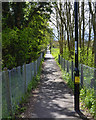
(83, 57)
(66, 54)
(55, 52)
(27, 35)
(20, 14)
(83, 93)
(24, 45)
(88, 98)
(68, 79)
(14, 52)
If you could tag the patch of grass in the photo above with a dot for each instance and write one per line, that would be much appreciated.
(55, 52)
(88, 100)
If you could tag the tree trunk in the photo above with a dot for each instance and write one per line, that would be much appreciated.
(83, 25)
(60, 41)
(79, 29)
(18, 13)
(94, 29)
(95, 42)
(89, 37)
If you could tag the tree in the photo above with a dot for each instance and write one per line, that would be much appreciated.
(89, 40)
(93, 14)
(26, 37)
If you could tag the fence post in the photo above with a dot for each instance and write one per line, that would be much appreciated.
(34, 68)
(37, 64)
(31, 70)
(24, 77)
(8, 95)
(41, 57)
(64, 64)
(43, 54)
(58, 58)
(61, 61)
(67, 66)
(39, 61)
(81, 74)
(72, 71)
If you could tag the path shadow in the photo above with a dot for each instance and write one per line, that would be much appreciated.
(54, 98)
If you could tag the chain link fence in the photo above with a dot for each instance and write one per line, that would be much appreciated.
(86, 73)
(15, 83)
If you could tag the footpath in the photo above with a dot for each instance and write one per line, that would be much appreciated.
(52, 98)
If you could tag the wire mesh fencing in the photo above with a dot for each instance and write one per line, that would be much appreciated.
(87, 74)
(15, 83)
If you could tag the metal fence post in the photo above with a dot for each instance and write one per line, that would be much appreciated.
(67, 66)
(81, 74)
(37, 65)
(43, 54)
(59, 59)
(72, 71)
(8, 95)
(34, 68)
(25, 77)
(39, 61)
(31, 70)
(64, 64)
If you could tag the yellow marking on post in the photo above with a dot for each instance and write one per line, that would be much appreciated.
(77, 79)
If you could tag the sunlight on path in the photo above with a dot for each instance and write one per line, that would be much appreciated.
(53, 98)
(48, 55)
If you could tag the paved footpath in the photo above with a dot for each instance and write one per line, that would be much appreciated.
(52, 98)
